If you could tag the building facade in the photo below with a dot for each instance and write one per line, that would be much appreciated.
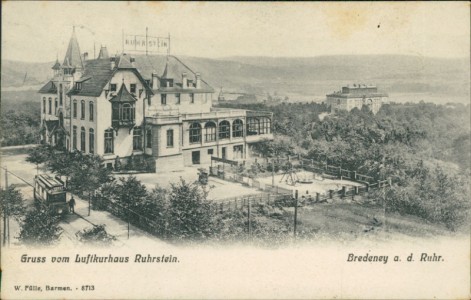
(357, 95)
(153, 107)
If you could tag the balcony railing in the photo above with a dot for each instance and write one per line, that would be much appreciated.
(155, 113)
(215, 114)
(122, 123)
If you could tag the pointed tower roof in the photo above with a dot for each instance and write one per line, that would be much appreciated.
(57, 65)
(165, 73)
(72, 56)
(103, 53)
(123, 95)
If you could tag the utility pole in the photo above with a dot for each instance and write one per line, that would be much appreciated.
(384, 208)
(295, 211)
(5, 210)
(272, 172)
(89, 202)
(248, 216)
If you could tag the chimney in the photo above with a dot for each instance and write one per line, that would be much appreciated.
(155, 81)
(113, 62)
(184, 80)
(85, 56)
(132, 60)
(198, 80)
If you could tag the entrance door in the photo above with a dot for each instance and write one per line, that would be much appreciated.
(224, 152)
(195, 157)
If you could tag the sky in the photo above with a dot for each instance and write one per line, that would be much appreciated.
(40, 31)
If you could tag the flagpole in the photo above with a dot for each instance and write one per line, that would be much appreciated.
(147, 29)
(122, 41)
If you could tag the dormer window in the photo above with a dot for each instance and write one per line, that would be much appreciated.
(133, 88)
(167, 82)
(113, 87)
(78, 85)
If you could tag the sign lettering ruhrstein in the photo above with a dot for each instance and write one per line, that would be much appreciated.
(148, 44)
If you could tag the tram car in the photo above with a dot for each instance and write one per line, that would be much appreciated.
(49, 191)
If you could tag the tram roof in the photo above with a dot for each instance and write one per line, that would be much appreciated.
(49, 181)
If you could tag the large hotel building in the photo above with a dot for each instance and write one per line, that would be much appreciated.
(357, 96)
(154, 107)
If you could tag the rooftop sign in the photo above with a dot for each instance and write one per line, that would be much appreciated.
(146, 43)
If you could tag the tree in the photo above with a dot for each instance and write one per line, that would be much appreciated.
(40, 227)
(87, 173)
(39, 155)
(11, 204)
(190, 214)
(130, 191)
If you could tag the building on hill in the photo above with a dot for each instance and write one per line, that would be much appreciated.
(154, 107)
(357, 95)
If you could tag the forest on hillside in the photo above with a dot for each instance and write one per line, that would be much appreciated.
(424, 148)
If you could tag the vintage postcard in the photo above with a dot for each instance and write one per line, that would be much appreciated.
(235, 150)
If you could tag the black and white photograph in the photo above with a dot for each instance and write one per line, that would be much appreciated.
(235, 150)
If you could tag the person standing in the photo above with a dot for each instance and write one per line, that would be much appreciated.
(72, 205)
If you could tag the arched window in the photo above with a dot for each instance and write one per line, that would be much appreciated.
(61, 119)
(195, 133)
(91, 111)
(55, 106)
(74, 138)
(137, 139)
(50, 105)
(127, 112)
(60, 94)
(109, 141)
(82, 110)
(238, 128)
(74, 109)
(91, 140)
(82, 139)
(44, 105)
(149, 138)
(210, 131)
(224, 130)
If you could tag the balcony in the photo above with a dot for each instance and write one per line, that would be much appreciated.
(215, 114)
(123, 123)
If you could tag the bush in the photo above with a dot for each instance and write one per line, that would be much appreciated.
(96, 235)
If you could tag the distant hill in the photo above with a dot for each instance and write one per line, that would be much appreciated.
(302, 77)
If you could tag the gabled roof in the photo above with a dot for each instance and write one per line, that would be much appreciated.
(123, 95)
(48, 88)
(169, 66)
(103, 53)
(100, 72)
(51, 124)
(124, 62)
(72, 56)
